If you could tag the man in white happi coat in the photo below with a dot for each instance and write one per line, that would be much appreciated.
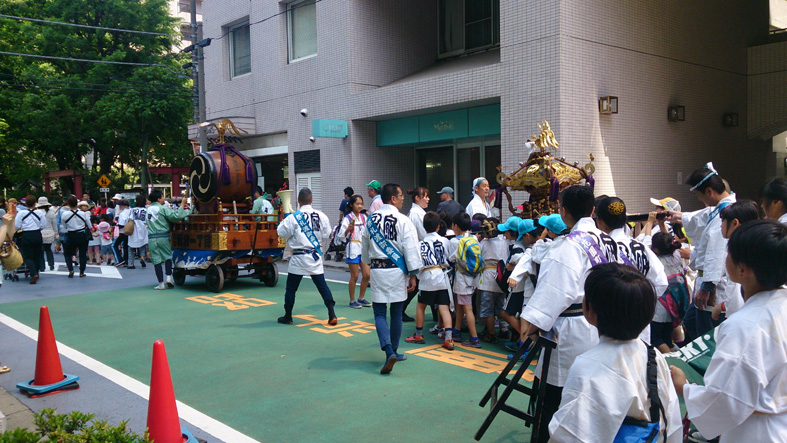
(307, 248)
(557, 301)
(710, 247)
(744, 397)
(390, 247)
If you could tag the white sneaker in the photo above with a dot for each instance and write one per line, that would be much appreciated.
(169, 282)
(161, 286)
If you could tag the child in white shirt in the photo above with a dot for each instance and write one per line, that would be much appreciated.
(608, 383)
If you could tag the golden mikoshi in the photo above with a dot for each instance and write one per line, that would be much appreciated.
(543, 176)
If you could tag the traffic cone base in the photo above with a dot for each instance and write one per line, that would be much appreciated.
(70, 387)
(31, 389)
(187, 437)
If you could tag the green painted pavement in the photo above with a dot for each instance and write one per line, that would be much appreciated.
(276, 382)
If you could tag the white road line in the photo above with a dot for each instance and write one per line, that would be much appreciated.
(186, 412)
(106, 272)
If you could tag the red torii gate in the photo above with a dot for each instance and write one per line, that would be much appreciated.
(64, 173)
(175, 172)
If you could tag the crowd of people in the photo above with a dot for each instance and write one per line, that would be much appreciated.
(617, 296)
(106, 233)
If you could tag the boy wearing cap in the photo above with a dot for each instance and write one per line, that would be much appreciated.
(447, 202)
(374, 190)
(523, 233)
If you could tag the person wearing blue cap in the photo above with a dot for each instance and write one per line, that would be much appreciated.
(520, 233)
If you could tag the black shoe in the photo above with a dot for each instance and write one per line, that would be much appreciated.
(70, 274)
(142, 263)
(286, 320)
(389, 364)
(406, 318)
(131, 267)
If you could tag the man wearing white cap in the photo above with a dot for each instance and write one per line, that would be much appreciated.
(48, 233)
(447, 202)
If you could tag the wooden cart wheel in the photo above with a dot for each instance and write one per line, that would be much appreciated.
(179, 276)
(272, 278)
(214, 278)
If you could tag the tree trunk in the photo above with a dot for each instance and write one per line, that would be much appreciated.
(143, 170)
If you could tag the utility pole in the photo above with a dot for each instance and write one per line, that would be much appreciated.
(198, 77)
(200, 50)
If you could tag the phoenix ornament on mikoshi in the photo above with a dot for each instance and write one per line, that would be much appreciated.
(543, 176)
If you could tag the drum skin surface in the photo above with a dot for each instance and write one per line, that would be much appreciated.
(211, 178)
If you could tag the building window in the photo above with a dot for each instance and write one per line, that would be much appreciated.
(302, 29)
(468, 25)
(240, 50)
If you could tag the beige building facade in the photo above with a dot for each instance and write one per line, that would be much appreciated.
(337, 93)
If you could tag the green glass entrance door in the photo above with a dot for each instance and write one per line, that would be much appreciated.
(468, 167)
(435, 169)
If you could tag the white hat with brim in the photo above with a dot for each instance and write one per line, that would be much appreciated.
(43, 202)
(117, 197)
(83, 203)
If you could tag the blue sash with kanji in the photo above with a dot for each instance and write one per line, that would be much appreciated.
(384, 245)
(307, 230)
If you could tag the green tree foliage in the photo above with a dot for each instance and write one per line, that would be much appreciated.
(53, 112)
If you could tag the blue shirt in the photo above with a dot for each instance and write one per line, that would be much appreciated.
(345, 207)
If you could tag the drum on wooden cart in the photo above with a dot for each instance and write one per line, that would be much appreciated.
(224, 247)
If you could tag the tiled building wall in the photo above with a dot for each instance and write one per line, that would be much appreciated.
(653, 55)
(555, 60)
(767, 90)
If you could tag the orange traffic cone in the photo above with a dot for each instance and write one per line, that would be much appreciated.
(163, 422)
(49, 376)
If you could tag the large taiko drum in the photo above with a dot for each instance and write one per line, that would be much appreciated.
(222, 173)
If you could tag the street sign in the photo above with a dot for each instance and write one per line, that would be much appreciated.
(103, 190)
(104, 181)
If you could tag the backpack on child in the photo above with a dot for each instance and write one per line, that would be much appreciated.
(469, 260)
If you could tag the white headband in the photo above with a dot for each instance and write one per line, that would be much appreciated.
(713, 171)
(476, 182)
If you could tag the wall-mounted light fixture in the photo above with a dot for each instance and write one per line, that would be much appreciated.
(676, 113)
(730, 120)
(608, 105)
